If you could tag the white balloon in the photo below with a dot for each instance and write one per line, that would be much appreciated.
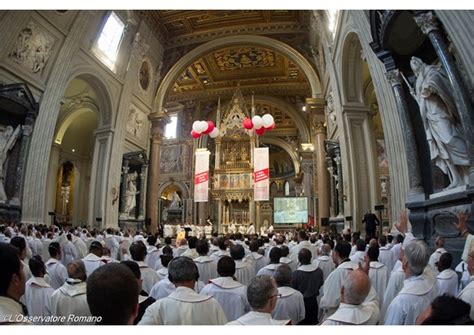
(257, 122)
(267, 120)
(214, 133)
(196, 125)
(202, 126)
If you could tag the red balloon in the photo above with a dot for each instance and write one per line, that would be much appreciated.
(247, 123)
(271, 127)
(260, 131)
(210, 127)
(194, 134)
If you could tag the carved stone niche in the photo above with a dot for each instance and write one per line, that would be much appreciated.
(132, 190)
(18, 112)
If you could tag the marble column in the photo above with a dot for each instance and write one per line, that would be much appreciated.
(321, 173)
(141, 208)
(307, 167)
(158, 122)
(252, 217)
(416, 191)
(52, 175)
(430, 26)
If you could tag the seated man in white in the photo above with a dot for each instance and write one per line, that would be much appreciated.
(262, 295)
(94, 258)
(324, 261)
(71, 299)
(56, 270)
(385, 255)
(269, 270)
(222, 244)
(359, 304)
(206, 266)
(149, 276)
(164, 287)
(231, 294)
(284, 259)
(378, 272)
(259, 260)
(244, 269)
(290, 304)
(153, 254)
(447, 278)
(184, 306)
(332, 285)
(359, 255)
(37, 291)
(439, 244)
(191, 251)
(416, 293)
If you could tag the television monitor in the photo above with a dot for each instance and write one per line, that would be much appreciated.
(290, 210)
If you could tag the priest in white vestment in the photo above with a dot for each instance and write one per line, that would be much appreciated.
(378, 272)
(191, 251)
(230, 293)
(324, 261)
(80, 245)
(148, 275)
(153, 254)
(302, 243)
(418, 288)
(70, 299)
(258, 259)
(182, 246)
(385, 254)
(262, 295)
(359, 303)
(439, 244)
(184, 306)
(12, 285)
(244, 269)
(290, 303)
(467, 294)
(37, 291)
(56, 270)
(250, 230)
(284, 259)
(94, 258)
(447, 279)
(269, 270)
(111, 242)
(70, 252)
(359, 255)
(332, 285)
(20, 243)
(206, 265)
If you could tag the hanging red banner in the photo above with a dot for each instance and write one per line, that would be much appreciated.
(201, 177)
(261, 175)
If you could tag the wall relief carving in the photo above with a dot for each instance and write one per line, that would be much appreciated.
(32, 48)
(135, 123)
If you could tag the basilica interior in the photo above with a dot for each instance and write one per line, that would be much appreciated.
(97, 111)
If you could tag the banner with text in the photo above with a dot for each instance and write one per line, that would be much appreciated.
(261, 175)
(201, 177)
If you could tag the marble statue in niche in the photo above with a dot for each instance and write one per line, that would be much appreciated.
(8, 138)
(175, 201)
(433, 94)
(130, 193)
(32, 48)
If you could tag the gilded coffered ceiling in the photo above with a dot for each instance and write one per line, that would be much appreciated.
(180, 27)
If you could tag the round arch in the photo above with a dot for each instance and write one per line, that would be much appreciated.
(105, 104)
(182, 186)
(351, 70)
(303, 129)
(285, 146)
(177, 69)
(69, 118)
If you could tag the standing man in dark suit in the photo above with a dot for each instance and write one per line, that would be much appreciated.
(371, 222)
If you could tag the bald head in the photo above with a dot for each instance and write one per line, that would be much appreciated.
(355, 288)
(77, 270)
(325, 249)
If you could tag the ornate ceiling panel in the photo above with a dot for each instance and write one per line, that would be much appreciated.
(249, 66)
(179, 27)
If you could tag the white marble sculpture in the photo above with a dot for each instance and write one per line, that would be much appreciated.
(438, 111)
(130, 193)
(175, 201)
(8, 138)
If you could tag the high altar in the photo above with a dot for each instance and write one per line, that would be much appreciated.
(232, 181)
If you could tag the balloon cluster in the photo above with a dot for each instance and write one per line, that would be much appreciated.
(259, 123)
(204, 127)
